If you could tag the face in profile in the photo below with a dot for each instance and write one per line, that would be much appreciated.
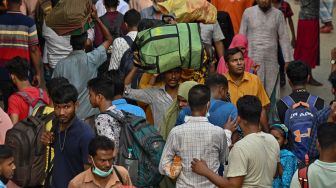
(7, 168)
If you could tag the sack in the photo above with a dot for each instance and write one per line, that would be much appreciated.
(187, 11)
(68, 16)
(170, 46)
(300, 119)
(146, 146)
(33, 103)
(29, 152)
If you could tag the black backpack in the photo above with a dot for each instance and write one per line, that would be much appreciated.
(29, 152)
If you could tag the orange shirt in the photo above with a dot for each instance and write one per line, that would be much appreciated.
(235, 8)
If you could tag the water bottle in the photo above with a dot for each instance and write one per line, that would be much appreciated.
(129, 160)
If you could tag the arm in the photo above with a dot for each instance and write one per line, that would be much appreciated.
(167, 154)
(289, 169)
(333, 57)
(219, 48)
(14, 118)
(35, 57)
(106, 34)
(291, 26)
(217, 37)
(284, 40)
(264, 120)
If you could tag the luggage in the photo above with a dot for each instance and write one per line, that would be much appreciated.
(187, 11)
(29, 152)
(300, 119)
(68, 16)
(170, 46)
(140, 148)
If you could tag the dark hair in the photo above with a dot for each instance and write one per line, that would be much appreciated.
(326, 134)
(297, 72)
(215, 80)
(111, 3)
(64, 94)
(102, 86)
(132, 18)
(249, 108)
(231, 52)
(56, 82)
(78, 41)
(117, 79)
(5, 152)
(19, 67)
(332, 79)
(149, 23)
(100, 143)
(198, 96)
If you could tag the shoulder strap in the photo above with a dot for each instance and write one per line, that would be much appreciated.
(303, 177)
(312, 100)
(114, 115)
(118, 174)
(40, 111)
(289, 102)
(128, 39)
(25, 97)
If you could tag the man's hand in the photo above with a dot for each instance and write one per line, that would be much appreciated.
(200, 167)
(47, 138)
(231, 125)
(94, 14)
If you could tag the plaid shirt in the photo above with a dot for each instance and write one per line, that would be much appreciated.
(197, 138)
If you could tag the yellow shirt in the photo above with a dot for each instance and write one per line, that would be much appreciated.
(250, 85)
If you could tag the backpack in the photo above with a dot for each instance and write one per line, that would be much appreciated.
(300, 120)
(29, 152)
(33, 103)
(146, 145)
(303, 174)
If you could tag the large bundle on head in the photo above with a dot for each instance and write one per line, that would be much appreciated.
(187, 11)
(70, 17)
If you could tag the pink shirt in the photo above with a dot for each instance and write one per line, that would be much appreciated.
(5, 124)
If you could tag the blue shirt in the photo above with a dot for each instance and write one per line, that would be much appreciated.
(219, 112)
(289, 165)
(2, 185)
(121, 104)
(70, 161)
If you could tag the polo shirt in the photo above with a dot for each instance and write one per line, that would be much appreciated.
(70, 161)
(250, 85)
(121, 104)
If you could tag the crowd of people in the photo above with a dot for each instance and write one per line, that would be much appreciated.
(224, 125)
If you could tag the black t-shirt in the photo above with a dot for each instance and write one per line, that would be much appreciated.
(297, 97)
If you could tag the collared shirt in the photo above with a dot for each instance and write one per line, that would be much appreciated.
(2, 185)
(79, 67)
(149, 13)
(197, 138)
(119, 47)
(250, 85)
(86, 179)
(71, 152)
(121, 104)
(158, 99)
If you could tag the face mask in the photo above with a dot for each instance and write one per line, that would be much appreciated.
(99, 172)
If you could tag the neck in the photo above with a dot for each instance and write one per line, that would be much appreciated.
(105, 105)
(132, 29)
(117, 97)
(65, 126)
(251, 128)
(198, 114)
(14, 8)
(328, 155)
(23, 84)
(236, 77)
(294, 88)
(172, 91)
(111, 9)
(102, 180)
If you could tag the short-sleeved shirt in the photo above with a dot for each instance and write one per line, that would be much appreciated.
(17, 104)
(255, 157)
(86, 179)
(286, 9)
(250, 85)
(79, 67)
(17, 34)
(71, 152)
(297, 97)
(211, 32)
(121, 104)
(149, 13)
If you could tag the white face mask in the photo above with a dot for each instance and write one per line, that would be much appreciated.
(99, 172)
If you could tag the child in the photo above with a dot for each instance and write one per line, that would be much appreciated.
(287, 158)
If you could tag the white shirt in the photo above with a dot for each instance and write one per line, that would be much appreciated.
(101, 10)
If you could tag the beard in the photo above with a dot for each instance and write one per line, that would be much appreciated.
(265, 9)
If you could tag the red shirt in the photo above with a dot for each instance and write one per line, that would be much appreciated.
(17, 104)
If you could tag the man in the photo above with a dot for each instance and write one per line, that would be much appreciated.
(264, 27)
(243, 83)
(321, 173)
(218, 85)
(121, 44)
(160, 98)
(252, 160)
(69, 137)
(7, 165)
(235, 9)
(102, 172)
(326, 15)
(101, 92)
(298, 75)
(195, 139)
(79, 67)
(18, 37)
(21, 103)
(152, 12)
(308, 29)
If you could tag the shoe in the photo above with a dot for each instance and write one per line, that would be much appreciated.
(326, 29)
(314, 82)
(282, 80)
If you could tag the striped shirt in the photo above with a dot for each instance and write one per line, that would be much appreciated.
(197, 138)
(17, 33)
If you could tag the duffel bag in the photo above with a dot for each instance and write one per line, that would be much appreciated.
(169, 46)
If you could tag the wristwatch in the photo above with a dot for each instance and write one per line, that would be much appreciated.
(333, 61)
